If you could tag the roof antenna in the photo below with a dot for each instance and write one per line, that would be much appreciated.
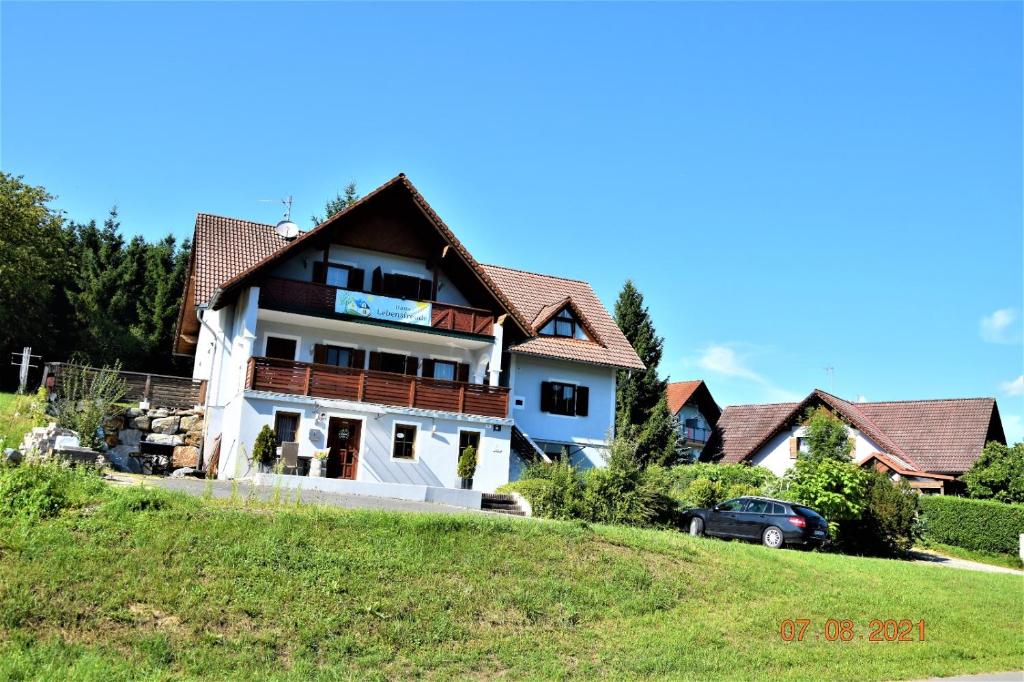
(286, 229)
(831, 371)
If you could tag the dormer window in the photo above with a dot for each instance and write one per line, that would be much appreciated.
(564, 324)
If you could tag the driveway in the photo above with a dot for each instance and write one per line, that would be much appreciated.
(925, 557)
(222, 490)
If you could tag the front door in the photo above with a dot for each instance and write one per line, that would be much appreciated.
(343, 448)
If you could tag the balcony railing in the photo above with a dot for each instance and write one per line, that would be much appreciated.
(696, 434)
(371, 386)
(318, 299)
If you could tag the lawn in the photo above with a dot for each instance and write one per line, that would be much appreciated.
(15, 418)
(150, 585)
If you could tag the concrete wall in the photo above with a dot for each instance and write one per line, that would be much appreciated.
(437, 440)
(301, 267)
(590, 433)
(775, 453)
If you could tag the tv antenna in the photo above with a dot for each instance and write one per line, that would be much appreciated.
(831, 371)
(285, 228)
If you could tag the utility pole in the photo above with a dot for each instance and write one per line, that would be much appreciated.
(23, 365)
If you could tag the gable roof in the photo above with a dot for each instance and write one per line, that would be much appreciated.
(918, 435)
(548, 312)
(533, 293)
(679, 393)
(228, 253)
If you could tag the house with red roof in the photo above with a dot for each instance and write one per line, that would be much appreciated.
(929, 443)
(691, 403)
(377, 345)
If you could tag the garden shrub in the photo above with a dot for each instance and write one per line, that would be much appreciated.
(998, 474)
(982, 525)
(705, 484)
(36, 489)
(703, 493)
(627, 495)
(87, 396)
(835, 489)
(264, 450)
(561, 498)
(740, 490)
(888, 526)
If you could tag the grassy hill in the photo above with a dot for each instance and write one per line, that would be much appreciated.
(149, 585)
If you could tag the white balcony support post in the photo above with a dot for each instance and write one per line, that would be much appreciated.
(495, 373)
(245, 340)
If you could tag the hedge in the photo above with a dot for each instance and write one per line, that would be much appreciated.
(973, 524)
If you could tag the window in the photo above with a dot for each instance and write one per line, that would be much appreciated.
(393, 362)
(280, 348)
(564, 324)
(759, 507)
(802, 446)
(286, 427)
(404, 445)
(566, 399)
(337, 275)
(732, 505)
(444, 369)
(691, 423)
(469, 438)
(339, 357)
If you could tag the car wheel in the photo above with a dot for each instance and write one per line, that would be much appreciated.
(696, 526)
(772, 537)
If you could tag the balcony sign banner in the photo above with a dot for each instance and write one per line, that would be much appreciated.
(382, 307)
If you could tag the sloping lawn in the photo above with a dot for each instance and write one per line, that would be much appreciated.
(151, 585)
(16, 418)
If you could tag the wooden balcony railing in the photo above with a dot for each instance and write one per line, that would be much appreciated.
(370, 386)
(318, 299)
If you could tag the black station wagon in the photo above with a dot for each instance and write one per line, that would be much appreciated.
(772, 522)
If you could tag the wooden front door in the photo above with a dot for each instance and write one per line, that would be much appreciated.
(343, 448)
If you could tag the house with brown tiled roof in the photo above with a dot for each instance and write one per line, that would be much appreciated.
(929, 443)
(378, 349)
(696, 412)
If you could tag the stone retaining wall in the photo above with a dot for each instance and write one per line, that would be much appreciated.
(181, 430)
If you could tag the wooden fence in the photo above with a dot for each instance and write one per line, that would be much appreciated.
(159, 390)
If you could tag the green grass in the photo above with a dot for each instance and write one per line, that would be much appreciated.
(993, 558)
(144, 584)
(16, 418)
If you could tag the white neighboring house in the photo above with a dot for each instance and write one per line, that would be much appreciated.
(378, 338)
(695, 410)
(929, 443)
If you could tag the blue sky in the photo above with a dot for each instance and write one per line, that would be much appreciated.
(792, 186)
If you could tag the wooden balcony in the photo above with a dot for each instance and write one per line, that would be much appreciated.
(368, 386)
(311, 298)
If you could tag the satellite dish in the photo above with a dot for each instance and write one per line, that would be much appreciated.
(286, 229)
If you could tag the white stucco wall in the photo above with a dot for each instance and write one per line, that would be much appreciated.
(775, 453)
(591, 432)
(437, 440)
(692, 412)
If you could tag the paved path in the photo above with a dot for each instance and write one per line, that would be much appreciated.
(222, 490)
(927, 557)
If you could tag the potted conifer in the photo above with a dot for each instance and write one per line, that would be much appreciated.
(264, 450)
(467, 466)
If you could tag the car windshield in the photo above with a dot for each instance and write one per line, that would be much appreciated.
(809, 513)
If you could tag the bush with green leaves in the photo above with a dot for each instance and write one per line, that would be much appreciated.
(889, 524)
(703, 494)
(717, 482)
(264, 450)
(998, 474)
(467, 463)
(984, 525)
(39, 489)
(826, 436)
(86, 396)
(836, 489)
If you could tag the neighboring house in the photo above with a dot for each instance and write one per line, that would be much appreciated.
(927, 442)
(696, 411)
(378, 338)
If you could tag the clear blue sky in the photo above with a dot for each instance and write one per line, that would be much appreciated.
(792, 186)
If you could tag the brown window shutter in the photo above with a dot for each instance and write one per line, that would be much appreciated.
(374, 360)
(359, 359)
(355, 279)
(425, 290)
(853, 446)
(462, 372)
(320, 354)
(319, 273)
(582, 401)
(411, 365)
(792, 448)
(546, 397)
(428, 367)
(377, 281)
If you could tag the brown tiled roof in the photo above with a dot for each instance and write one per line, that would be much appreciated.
(226, 247)
(532, 293)
(940, 435)
(918, 435)
(679, 392)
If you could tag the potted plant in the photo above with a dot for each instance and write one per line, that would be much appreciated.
(318, 464)
(265, 449)
(467, 466)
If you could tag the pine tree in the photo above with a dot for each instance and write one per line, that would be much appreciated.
(338, 203)
(641, 411)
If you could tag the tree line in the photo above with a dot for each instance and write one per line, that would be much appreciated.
(82, 289)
